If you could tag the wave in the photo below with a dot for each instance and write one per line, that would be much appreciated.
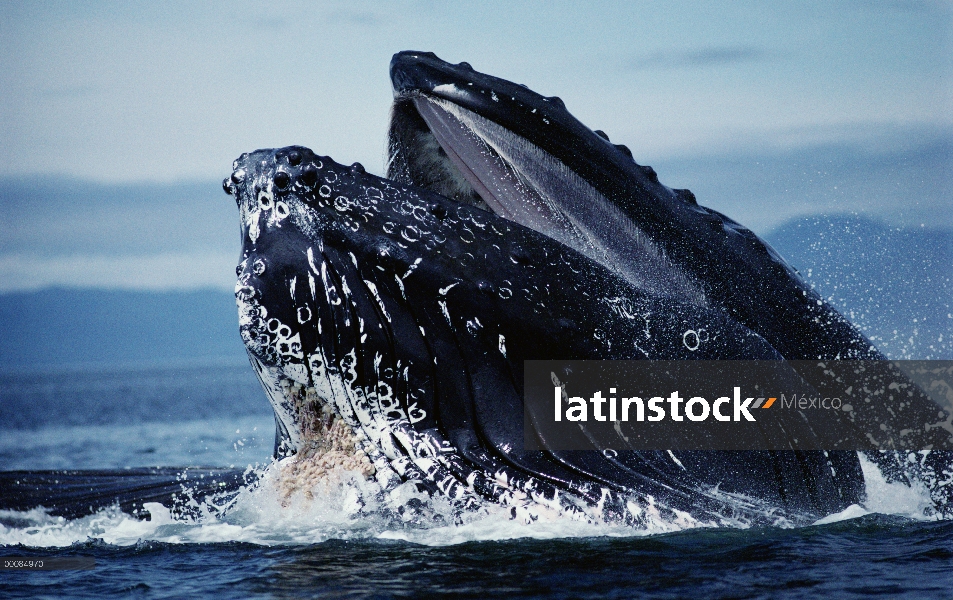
(352, 508)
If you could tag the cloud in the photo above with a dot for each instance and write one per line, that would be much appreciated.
(354, 17)
(166, 271)
(700, 58)
(905, 181)
(920, 6)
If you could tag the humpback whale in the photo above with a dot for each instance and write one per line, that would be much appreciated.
(391, 315)
(388, 320)
(407, 315)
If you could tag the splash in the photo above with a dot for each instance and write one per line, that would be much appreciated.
(887, 498)
(345, 507)
(351, 507)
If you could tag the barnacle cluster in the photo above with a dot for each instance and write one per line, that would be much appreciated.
(330, 450)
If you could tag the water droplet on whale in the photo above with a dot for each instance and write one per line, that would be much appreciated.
(520, 256)
(438, 211)
(486, 287)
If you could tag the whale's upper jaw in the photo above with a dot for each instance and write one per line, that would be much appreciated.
(543, 120)
(500, 146)
(596, 199)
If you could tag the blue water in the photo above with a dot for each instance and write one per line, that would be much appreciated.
(146, 415)
(270, 546)
(867, 557)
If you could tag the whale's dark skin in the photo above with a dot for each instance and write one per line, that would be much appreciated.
(405, 307)
(692, 253)
(410, 315)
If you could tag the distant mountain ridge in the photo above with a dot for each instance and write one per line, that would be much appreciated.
(896, 284)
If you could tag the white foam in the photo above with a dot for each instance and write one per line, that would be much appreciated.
(352, 509)
(912, 502)
(357, 509)
(851, 512)
(897, 499)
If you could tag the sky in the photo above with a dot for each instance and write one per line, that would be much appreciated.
(772, 109)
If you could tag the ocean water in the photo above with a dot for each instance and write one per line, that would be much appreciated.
(335, 544)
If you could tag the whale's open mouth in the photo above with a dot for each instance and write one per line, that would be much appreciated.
(437, 141)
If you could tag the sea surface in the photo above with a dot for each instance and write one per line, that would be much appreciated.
(214, 414)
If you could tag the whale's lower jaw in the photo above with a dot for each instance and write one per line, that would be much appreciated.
(340, 428)
(334, 439)
(331, 424)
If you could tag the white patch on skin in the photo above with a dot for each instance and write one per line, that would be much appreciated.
(677, 462)
(443, 291)
(380, 302)
(311, 263)
(411, 268)
(400, 284)
(416, 414)
(502, 345)
(446, 313)
(270, 378)
(329, 289)
(253, 226)
(446, 88)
